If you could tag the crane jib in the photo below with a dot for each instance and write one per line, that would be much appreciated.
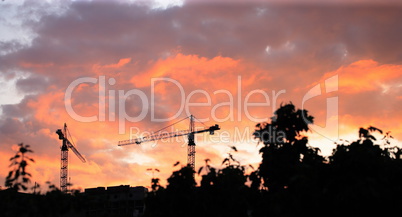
(164, 135)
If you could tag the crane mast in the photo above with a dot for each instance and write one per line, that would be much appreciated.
(65, 146)
(64, 163)
(189, 133)
(191, 145)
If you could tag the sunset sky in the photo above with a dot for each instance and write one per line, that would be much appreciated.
(108, 68)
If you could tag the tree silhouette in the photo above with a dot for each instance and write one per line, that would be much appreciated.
(154, 181)
(18, 178)
(52, 203)
(209, 178)
(284, 146)
(223, 192)
(178, 199)
(365, 175)
(359, 178)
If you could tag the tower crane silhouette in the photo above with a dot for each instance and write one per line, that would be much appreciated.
(158, 135)
(65, 146)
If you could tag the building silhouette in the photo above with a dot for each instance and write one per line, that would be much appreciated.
(123, 200)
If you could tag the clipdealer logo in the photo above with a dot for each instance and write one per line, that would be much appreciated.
(330, 129)
(238, 105)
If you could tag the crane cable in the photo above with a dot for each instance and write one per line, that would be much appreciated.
(178, 122)
(69, 134)
(171, 125)
(200, 121)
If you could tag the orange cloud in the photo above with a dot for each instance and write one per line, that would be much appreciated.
(367, 75)
(108, 164)
(187, 67)
(212, 52)
(101, 69)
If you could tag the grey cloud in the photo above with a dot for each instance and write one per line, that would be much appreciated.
(20, 110)
(32, 84)
(91, 32)
(306, 40)
(10, 126)
(10, 47)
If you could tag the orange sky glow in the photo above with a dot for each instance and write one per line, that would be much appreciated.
(115, 71)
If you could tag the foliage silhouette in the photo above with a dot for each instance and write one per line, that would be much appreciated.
(207, 167)
(13, 202)
(365, 175)
(155, 185)
(284, 146)
(18, 178)
(293, 179)
(178, 199)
